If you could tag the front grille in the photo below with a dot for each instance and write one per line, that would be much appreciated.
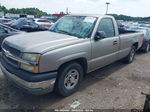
(10, 61)
(13, 51)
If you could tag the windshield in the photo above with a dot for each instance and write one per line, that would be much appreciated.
(80, 26)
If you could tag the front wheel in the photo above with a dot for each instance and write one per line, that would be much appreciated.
(70, 76)
(129, 59)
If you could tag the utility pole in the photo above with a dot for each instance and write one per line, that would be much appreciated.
(66, 10)
(107, 4)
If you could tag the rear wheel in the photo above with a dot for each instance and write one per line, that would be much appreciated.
(129, 59)
(70, 76)
(147, 48)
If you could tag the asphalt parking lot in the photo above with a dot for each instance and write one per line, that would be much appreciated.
(117, 86)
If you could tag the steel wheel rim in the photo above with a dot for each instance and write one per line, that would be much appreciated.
(132, 55)
(71, 79)
(148, 46)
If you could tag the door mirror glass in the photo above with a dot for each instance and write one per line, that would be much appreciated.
(33, 25)
(100, 35)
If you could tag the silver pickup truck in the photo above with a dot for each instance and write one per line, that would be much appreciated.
(59, 58)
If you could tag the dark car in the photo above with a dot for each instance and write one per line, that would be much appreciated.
(27, 25)
(7, 31)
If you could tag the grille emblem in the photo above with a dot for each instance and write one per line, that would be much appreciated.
(7, 53)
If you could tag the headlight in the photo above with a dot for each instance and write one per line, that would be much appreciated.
(31, 58)
(30, 68)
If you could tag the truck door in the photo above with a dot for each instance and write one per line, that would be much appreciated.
(105, 51)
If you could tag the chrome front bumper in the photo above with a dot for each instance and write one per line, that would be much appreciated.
(37, 88)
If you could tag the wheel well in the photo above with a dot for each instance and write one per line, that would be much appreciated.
(81, 61)
(136, 45)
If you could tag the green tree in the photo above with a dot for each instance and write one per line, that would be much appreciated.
(3, 9)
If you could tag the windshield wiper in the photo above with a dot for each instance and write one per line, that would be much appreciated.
(65, 32)
(60, 31)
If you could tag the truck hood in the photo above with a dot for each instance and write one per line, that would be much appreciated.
(41, 42)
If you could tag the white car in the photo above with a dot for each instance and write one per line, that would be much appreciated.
(43, 22)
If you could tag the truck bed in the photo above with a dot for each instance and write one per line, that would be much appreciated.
(123, 31)
(129, 37)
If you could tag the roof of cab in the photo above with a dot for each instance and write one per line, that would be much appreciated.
(94, 15)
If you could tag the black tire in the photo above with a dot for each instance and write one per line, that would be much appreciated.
(147, 48)
(62, 82)
(129, 59)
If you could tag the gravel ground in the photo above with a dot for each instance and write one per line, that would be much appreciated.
(117, 86)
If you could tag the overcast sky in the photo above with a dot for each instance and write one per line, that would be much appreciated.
(127, 7)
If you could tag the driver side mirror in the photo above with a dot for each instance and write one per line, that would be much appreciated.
(100, 35)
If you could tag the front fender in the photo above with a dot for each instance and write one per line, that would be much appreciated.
(52, 60)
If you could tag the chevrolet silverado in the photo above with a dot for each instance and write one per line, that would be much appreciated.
(59, 58)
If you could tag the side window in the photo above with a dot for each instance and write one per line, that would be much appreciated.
(44, 21)
(32, 24)
(107, 26)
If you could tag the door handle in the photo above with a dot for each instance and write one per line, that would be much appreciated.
(115, 42)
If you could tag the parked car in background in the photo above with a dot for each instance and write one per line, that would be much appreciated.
(27, 25)
(33, 27)
(144, 25)
(59, 58)
(146, 40)
(43, 22)
(18, 24)
(52, 19)
(9, 23)
(4, 20)
(7, 31)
